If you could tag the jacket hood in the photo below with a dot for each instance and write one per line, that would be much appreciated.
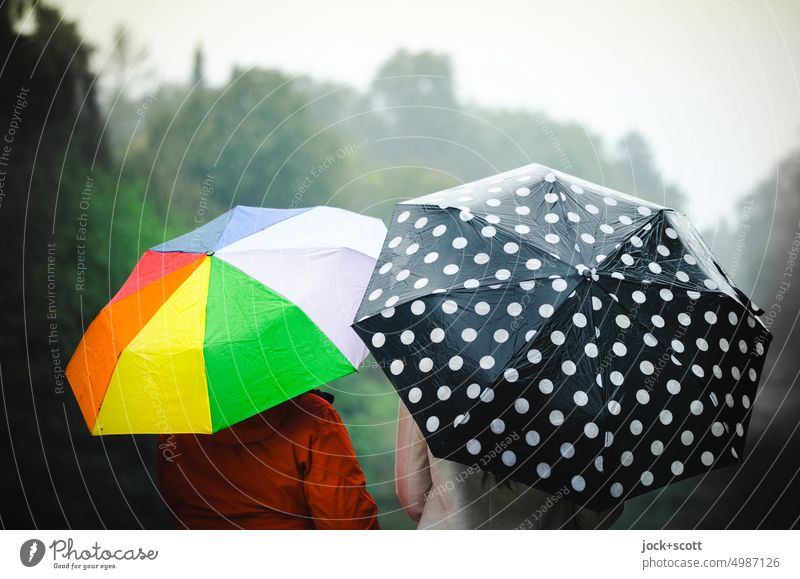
(257, 428)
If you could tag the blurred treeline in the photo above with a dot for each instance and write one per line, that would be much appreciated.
(139, 161)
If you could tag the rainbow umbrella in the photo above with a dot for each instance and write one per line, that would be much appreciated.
(217, 325)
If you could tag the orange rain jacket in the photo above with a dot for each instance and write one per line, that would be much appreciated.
(290, 467)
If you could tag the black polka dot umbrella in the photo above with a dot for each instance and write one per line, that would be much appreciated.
(557, 332)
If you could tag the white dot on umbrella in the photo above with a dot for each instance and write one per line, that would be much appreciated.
(543, 470)
(626, 458)
(487, 395)
(580, 398)
(421, 283)
(487, 362)
(636, 427)
(449, 307)
(598, 463)
(684, 319)
(523, 191)
(567, 450)
(378, 339)
(557, 337)
(696, 407)
(521, 405)
(551, 197)
(443, 393)
(665, 294)
(665, 416)
(646, 367)
(707, 458)
(579, 320)
(559, 284)
(710, 284)
(455, 363)
(527, 284)
(678, 346)
(497, 426)
(552, 238)
(723, 344)
(693, 295)
(402, 275)
(739, 429)
(546, 310)
(662, 250)
(450, 269)
(482, 308)
(591, 350)
(509, 458)
(425, 365)
(534, 356)
(636, 241)
(623, 321)
(574, 217)
(522, 210)
(375, 295)
(654, 267)
(625, 220)
(392, 301)
(533, 264)
(414, 395)
(502, 274)
(606, 228)
(514, 309)
(592, 209)
(673, 387)
(437, 335)
(591, 430)
(677, 468)
(616, 378)
(671, 233)
(650, 340)
(658, 321)
(616, 490)
(407, 337)
(469, 334)
(471, 284)
(481, 258)
(657, 447)
(619, 349)
(385, 268)
(647, 478)
(532, 438)
(682, 276)
(626, 259)
(473, 390)
(578, 483)
(418, 308)
(488, 231)
(545, 386)
(412, 249)
(511, 247)
(501, 336)
(403, 216)
(642, 396)
(614, 407)
(460, 242)
(511, 375)
(421, 222)
(439, 230)
(396, 367)
(522, 229)
(687, 437)
(551, 218)
(596, 303)
(698, 371)
(473, 447)
(645, 211)
(568, 367)
(587, 238)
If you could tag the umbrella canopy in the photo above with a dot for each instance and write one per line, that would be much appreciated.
(557, 332)
(245, 312)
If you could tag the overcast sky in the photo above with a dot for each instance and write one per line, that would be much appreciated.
(712, 84)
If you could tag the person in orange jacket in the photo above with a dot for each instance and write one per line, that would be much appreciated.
(290, 467)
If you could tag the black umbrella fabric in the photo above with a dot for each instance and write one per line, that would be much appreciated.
(556, 332)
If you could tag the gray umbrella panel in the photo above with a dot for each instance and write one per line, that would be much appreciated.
(560, 333)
